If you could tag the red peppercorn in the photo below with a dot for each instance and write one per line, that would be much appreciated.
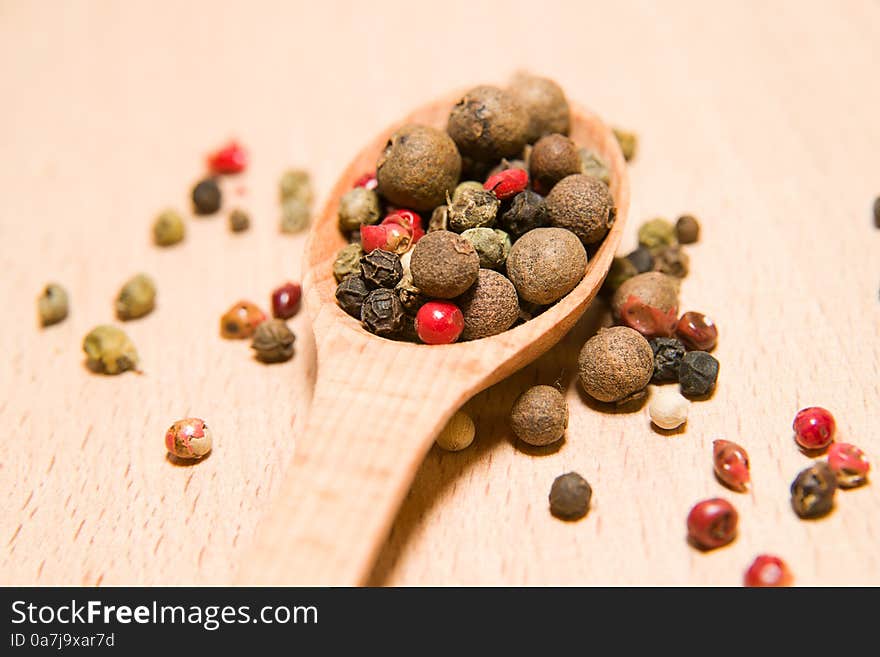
(767, 571)
(285, 300)
(731, 465)
(697, 331)
(387, 237)
(232, 158)
(409, 220)
(849, 465)
(508, 183)
(813, 428)
(368, 181)
(439, 322)
(712, 523)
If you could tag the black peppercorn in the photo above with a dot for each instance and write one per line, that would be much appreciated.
(668, 353)
(381, 269)
(697, 374)
(206, 196)
(642, 259)
(350, 295)
(382, 313)
(527, 211)
(812, 491)
(570, 496)
(877, 212)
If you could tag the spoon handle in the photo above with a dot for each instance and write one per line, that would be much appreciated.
(373, 417)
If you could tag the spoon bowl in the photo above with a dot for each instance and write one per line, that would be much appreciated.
(378, 404)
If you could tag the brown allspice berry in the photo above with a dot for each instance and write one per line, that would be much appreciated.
(488, 123)
(687, 229)
(545, 264)
(616, 364)
(583, 205)
(647, 303)
(544, 102)
(239, 220)
(273, 341)
(553, 158)
(418, 167)
(570, 496)
(444, 264)
(489, 307)
(539, 416)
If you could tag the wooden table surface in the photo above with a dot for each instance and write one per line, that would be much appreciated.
(760, 118)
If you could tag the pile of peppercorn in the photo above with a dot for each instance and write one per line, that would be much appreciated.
(513, 204)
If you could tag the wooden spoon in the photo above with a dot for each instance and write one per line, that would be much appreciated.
(378, 404)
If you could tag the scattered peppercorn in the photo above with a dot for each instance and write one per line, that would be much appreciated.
(570, 496)
(168, 228)
(697, 331)
(381, 269)
(628, 141)
(697, 374)
(295, 215)
(419, 166)
(642, 259)
(687, 229)
(668, 353)
(136, 298)
(444, 264)
(492, 245)
(473, 208)
(583, 205)
(489, 307)
(52, 305)
(768, 571)
(595, 166)
(488, 123)
(668, 409)
(657, 233)
(731, 464)
(439, 322)
(350, 295)
(382, 312)
(553, 158)
(812, 491)
(239, 220)
(672, 260)
(188, 439)
(241, 320)
(527, 211)
(849, 465)
(647, 303)
(109, 350)
(507, 183)
(712, 523)
(458, 434)
(621, 270)
(544, 103)
(358, 207)
(273, 341)
(539, 416)
(545, 264)
(814, 428)
(348, 261)
(877, 212)
(285, 300)
(232, 158)
(296, 184)
(206, 196)
(616, 364)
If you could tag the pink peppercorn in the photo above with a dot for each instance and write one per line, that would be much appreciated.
(508, 183)
(731, 465)
(439, 322)
(849, 465)
(285, 300)
(232, 158)
(813, 428)
(697, 331)
(368, 181)
(409, 220)
(768, 571)
(712, 523)
(387, 237)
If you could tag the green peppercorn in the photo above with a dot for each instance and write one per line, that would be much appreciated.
(296, 183)
(671, 260)
(622, 269)
(109, 350)
(467, 184)
(593, 165)
(273, 341)
(136, 298)
(491, 244)
(295, 215)
(206, 196)
(348, 261)
(657, 233)
(629, 143)
(239, 220)
(52, 304)
(168, 228)
(358, 207)
(474, 208)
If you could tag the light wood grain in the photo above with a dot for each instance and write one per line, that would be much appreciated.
(758, 117)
